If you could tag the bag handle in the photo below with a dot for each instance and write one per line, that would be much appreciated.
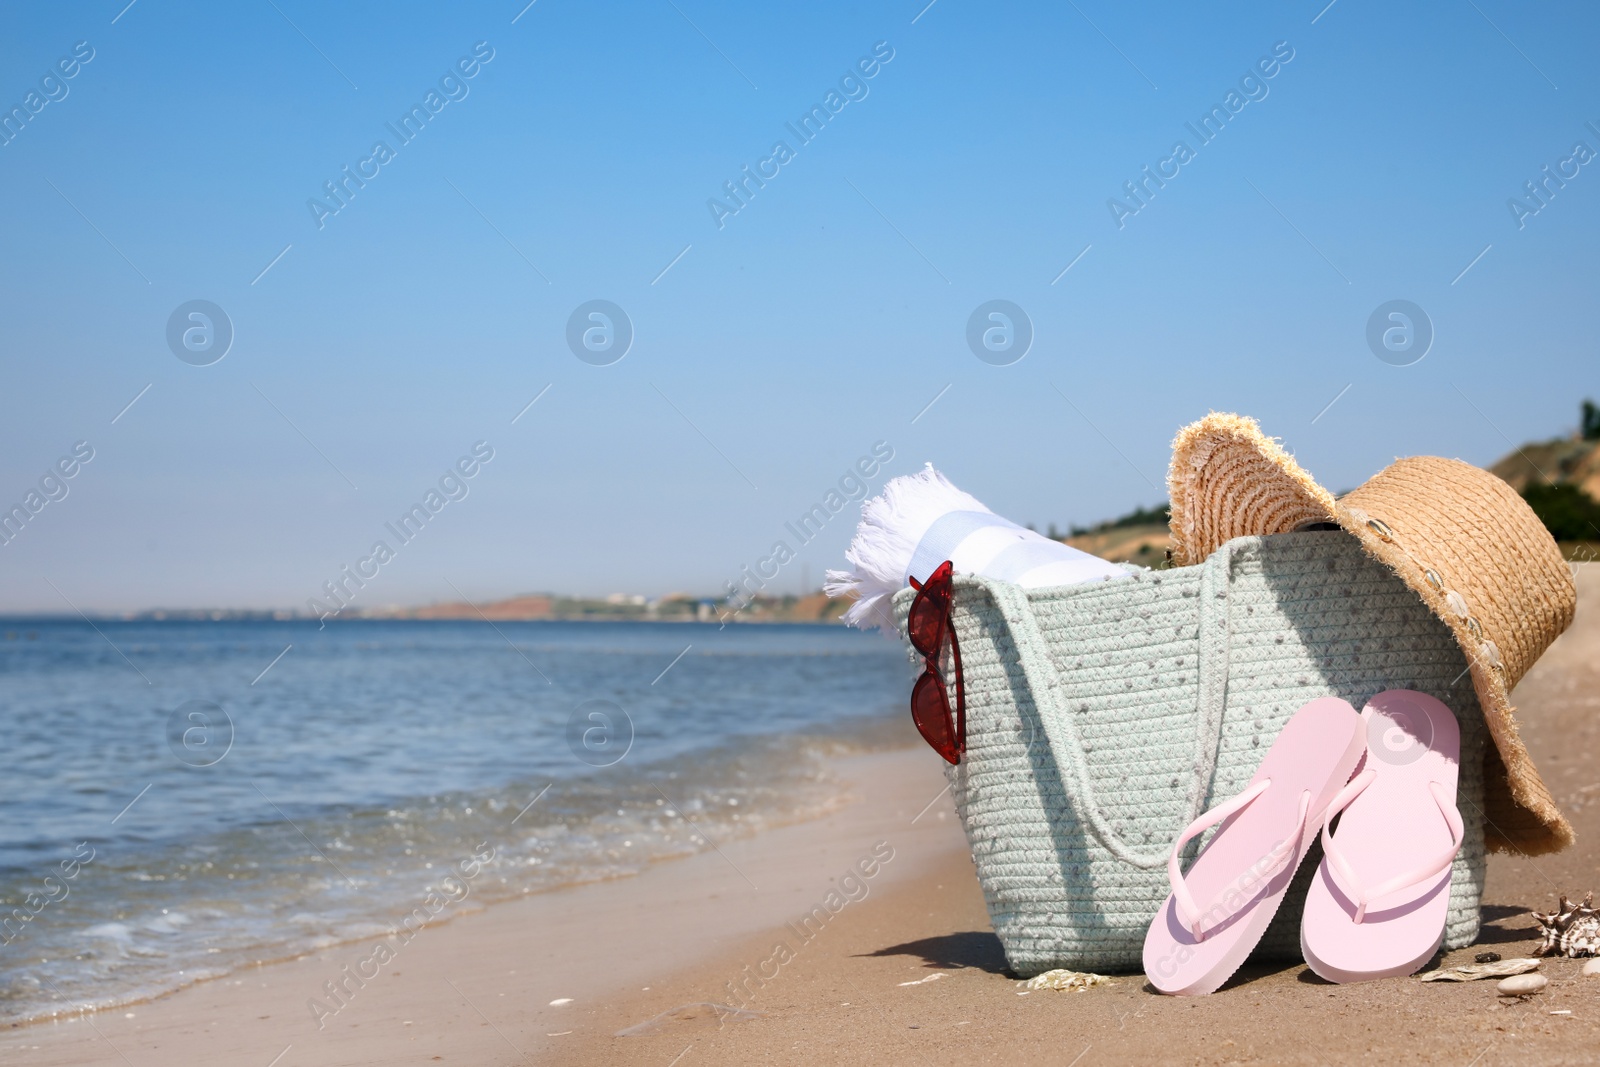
(1034, 653)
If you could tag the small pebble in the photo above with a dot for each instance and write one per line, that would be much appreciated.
(1592, 967)
(1486, 957)
(1521, 985)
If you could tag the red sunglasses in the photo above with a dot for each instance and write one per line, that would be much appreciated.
(926, 625)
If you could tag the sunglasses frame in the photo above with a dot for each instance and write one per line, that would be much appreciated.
(935, 594)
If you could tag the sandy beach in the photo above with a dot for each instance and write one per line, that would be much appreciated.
(867, 933)
(915, 976)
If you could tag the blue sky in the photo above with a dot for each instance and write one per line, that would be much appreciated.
(774, 351)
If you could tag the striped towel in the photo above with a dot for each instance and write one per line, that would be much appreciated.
(920, 521)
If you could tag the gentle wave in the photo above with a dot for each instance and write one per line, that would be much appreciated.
(381, 757)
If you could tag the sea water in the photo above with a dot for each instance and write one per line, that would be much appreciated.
(184, 798)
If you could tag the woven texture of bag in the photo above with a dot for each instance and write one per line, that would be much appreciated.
(1102, 718)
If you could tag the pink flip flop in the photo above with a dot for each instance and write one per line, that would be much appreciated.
(1219, 910)
(1378, 905)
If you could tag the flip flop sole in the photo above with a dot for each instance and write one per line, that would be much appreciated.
(1412, 739)
(1242, 873)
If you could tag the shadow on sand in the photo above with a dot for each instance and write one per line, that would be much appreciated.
(980, 949)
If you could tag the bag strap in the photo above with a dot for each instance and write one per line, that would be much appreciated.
(1061, 730)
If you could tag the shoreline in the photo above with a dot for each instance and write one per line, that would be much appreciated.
(508, 960)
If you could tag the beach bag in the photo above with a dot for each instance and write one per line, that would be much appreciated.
(1102, 718)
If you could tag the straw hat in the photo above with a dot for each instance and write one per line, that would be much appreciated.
(1460, 537)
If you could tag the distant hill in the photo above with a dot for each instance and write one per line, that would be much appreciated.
(1564, 461)
(674, 607)
(1145, 544)
(1560, 480)
(512, 608)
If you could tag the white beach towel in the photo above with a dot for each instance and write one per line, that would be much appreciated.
(920, 521)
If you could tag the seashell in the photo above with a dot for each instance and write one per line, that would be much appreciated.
(1591, 968)
(1065, 979)
(1522, 985)
(1572, 930)
(1486, 957)
(1491, 969)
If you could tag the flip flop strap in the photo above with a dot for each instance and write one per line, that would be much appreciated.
(1435, 865)
(1263, 870)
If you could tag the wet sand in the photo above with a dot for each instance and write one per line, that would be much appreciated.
(479, 989)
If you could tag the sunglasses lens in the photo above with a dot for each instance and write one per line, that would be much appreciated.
(930, 708)
(925, 625)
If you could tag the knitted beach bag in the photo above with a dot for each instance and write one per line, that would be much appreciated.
(1102, 718)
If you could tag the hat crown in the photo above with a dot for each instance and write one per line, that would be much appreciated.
(1487, 564)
